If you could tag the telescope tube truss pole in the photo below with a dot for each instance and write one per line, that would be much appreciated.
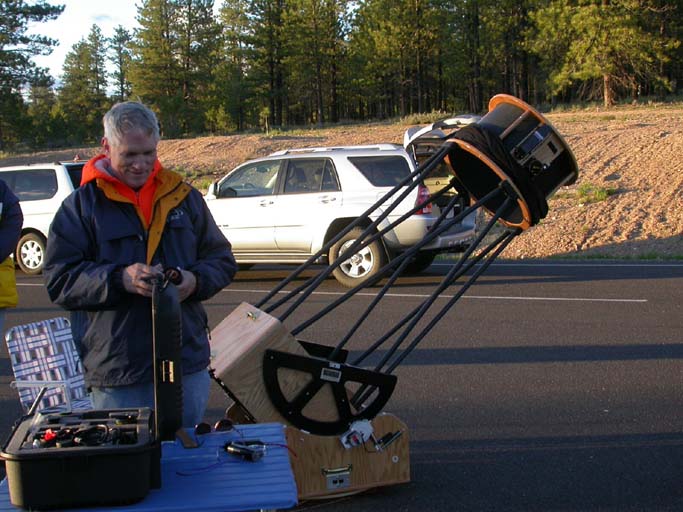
(508, 164)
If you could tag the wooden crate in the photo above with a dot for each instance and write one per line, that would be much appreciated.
(323, 468)
(237, 347)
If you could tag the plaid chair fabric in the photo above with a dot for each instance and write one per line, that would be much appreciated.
(43, 354)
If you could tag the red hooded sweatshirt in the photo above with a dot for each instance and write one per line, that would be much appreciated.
(143, 199)
(163, 189)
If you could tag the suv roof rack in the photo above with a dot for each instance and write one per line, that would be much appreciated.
(380, 147)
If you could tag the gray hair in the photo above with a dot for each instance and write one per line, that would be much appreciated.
(127, 116)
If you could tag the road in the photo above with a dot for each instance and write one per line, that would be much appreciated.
(550, 385)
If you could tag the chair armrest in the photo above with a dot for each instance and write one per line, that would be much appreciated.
(17, 384)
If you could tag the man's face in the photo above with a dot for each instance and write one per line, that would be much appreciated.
(132, 159)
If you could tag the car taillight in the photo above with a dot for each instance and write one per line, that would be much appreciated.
(422, 196)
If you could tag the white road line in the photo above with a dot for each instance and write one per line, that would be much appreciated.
(576, 299)
(444, 296)
(424, 295)
(551, 264)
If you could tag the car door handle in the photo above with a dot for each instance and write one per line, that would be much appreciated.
(327, 199)
(265, 202)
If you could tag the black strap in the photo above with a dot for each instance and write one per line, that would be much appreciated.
(492, 146)
(168, 371)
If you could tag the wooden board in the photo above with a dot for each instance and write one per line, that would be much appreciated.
(237, 347)
(323, 468)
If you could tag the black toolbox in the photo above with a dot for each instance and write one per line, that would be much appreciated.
(82, 458)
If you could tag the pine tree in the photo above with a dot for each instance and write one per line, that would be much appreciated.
(98, 58)
(389, 36)
(174, 55)
(232, 106)
(314, 57)
(506, 58)
(82, 96)
(268, 42)
(16, 49)
(155, 69)
(199, 43)
(603, 47)
(120, 57)
(41, 102)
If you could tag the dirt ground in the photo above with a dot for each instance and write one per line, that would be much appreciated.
(635, 153)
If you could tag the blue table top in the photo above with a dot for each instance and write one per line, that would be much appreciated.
(208, 478)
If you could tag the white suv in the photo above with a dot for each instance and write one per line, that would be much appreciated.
(41, 188)
(284, 208)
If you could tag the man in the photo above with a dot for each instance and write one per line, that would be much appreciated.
(110, 239)
(11, 220)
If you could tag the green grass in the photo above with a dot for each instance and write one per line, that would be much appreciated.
(202, 184)
(199, 179)
(425, 118)
(588, 193)
(560, 194)
(286, 132)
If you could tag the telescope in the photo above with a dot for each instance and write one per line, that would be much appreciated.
(508, 162)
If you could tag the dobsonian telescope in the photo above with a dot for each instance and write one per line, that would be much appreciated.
(508, 163)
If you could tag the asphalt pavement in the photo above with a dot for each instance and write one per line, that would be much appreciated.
(549, 386)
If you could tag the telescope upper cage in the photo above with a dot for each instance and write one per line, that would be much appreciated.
(513, 142)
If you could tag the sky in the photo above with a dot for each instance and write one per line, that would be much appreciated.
(75, 22)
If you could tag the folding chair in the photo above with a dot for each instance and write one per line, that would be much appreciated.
(46, 366)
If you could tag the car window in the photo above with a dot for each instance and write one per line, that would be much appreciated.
(423, 152)
(330, 180)
(310, 175)
(442, 170)
(382, 171)
(75, 172)
(32, 184)
(255, 179)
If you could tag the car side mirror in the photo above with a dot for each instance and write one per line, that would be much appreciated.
(211, 193)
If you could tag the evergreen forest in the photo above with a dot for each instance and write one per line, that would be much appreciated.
(250, 65)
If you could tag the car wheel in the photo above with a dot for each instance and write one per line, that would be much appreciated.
(362, 265)
(420, 262)
(30, 253)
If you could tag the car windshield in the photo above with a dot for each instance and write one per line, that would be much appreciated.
(382, 171)
(254, 179)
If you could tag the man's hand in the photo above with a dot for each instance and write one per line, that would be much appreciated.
(139, 278)
(187, 286)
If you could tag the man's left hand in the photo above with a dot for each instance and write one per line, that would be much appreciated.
(187, 286)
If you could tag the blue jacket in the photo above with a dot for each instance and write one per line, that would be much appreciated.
(11, 220)
(93, 237)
